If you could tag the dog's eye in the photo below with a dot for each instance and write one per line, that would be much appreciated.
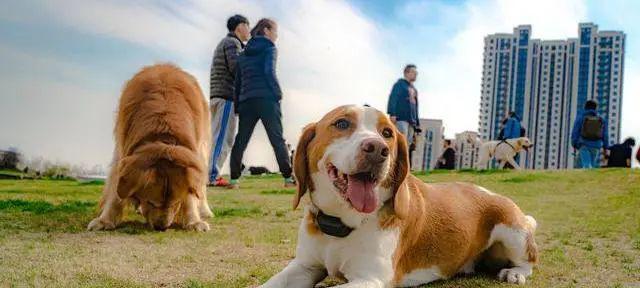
(342, 124)
(387, 133)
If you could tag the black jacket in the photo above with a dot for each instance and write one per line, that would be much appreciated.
(256, 72)
(223, 67)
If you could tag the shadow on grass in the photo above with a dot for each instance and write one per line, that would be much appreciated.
(278, 192)
(225, 212)
(92, 183)
(461, 171)
(43, 207)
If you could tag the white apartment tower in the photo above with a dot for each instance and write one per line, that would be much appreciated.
(547, 82)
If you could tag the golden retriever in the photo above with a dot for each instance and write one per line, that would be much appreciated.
(162, 136)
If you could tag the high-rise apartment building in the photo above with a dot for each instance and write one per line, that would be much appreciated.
(547, 82)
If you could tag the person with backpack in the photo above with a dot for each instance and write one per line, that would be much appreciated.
(589, 136)
(511, 129)
(620, 154)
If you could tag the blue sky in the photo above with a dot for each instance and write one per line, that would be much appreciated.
(64, 62)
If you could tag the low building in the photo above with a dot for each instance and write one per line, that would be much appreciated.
(467, 146)
(428, 145)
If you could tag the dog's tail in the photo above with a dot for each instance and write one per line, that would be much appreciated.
(153, 161)
(533, 224)
(150, 154)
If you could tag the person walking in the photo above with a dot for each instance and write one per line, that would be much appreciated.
(403, 104)
(512, 129)
(620, 154)
(257, 97)
(222, 83)
(589, 136)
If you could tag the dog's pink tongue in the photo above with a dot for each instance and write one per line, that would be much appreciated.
(361, 195)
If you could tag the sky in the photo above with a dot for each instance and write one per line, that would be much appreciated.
(63, 63)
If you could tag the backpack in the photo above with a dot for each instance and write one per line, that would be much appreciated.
(592, 127)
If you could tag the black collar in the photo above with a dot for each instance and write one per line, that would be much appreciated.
(505, 141)
(332, 226)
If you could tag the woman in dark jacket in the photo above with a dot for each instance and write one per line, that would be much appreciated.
(257, 97)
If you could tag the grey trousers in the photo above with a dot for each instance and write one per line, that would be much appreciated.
(223, 132)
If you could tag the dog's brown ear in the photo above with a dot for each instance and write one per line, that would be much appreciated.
(128, 176)
(400, 170)
(196, 183)
(301, 164)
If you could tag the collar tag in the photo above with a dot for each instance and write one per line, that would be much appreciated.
(332, 226)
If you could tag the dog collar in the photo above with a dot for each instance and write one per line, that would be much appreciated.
(505, 141)
(332, 226)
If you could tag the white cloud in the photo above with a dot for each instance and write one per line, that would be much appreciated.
(328, 54)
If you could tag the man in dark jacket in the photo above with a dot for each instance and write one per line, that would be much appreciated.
(223, 72)
(589, 136)
(620, 154)
(403, 103)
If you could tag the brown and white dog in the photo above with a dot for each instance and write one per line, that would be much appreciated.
(373, 224)
(159, 164)
(504, 151)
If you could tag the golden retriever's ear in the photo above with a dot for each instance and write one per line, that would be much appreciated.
(195, 182)
(301, 164)
(400, 170)
(128, 176)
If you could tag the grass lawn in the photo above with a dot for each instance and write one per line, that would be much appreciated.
(588, 234)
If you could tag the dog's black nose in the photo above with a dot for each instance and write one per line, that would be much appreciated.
(375, 149)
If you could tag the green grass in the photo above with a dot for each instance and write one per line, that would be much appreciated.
(588, 235)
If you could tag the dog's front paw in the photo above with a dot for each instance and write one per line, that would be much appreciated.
(200, 226)
(100, 224)
(512, 276)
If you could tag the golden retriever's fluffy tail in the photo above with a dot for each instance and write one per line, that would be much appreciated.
(149, 154)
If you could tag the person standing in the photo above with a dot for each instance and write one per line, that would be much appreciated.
(257, 97)
(223, 74)
(589, 136)
(403, 104)
(620, 154)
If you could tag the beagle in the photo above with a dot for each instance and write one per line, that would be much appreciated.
(373, 224)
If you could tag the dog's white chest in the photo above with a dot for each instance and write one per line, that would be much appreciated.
(366, 250)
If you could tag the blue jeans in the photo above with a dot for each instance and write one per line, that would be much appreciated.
(405, 128)
(589, 157)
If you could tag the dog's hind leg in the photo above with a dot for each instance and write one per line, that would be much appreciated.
(519, 248)
(514, 163)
